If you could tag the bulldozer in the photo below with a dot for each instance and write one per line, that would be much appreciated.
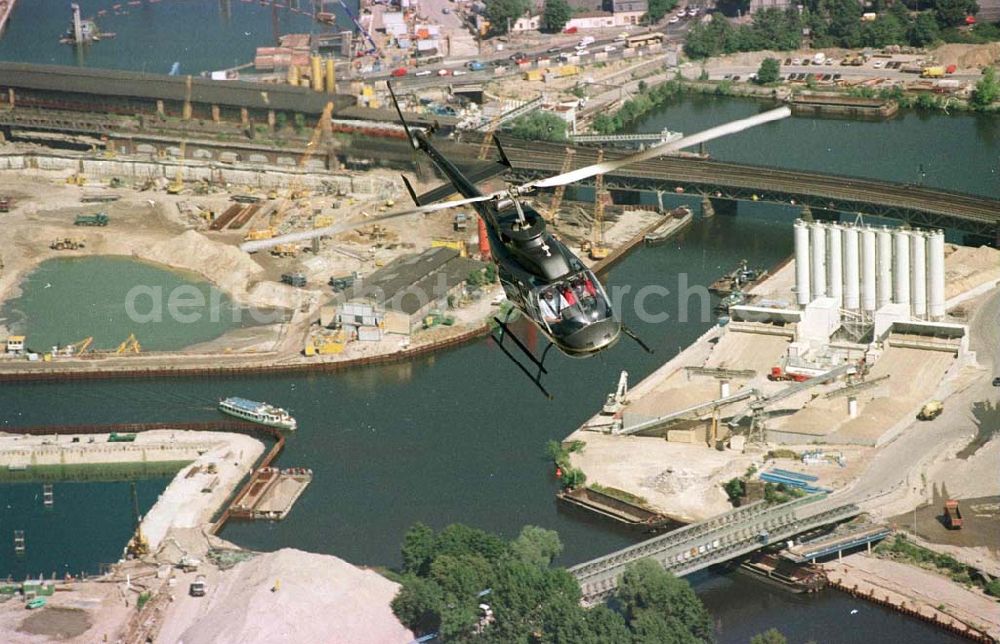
(76, 179)
(66, 243)
(260, 233)
(285, 250)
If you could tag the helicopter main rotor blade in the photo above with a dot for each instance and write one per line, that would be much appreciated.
(306, 235)
(659, 150)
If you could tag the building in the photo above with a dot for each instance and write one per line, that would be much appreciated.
(396, 297)
(15, 344)
(757, 5)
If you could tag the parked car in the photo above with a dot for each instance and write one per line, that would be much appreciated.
(996, 381)
(445, 10)
(444, 72)
(610, 48)
(458, 72)
(553, 50)
(399, 71)
(423, 72)
(674, 20)
(796, 61)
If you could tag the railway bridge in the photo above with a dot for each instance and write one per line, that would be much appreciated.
(717, 540)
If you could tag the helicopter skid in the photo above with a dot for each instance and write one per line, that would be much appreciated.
(498, 338)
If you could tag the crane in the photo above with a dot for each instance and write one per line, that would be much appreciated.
(178, 184)
(364, 32)
(619, 398)
(557, 196)
(597, 248)
(485, 146)
(294, 190)
(129, 345)
(138, 545)
(78, 348)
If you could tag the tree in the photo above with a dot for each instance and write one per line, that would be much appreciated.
(536, 546)
(923, 31)
(987, 90)
(770, 636)
(656, 9)
(498, 12)
(660, 607)
(418, 549)
(769, 71)
(539, 126)
(953, 12)
(419, 604)
(555, 15)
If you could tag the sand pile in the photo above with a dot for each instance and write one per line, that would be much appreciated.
(967, 268)
(968, 56)
(320, 599)
(226, 266)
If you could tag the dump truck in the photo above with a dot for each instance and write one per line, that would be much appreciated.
(100, 219)
(343, 282)
(931, 410)
(4, 204)
(198, 586)
(294, 279)
(936, 71)
(952, 515)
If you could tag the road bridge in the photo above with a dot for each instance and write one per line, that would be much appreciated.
(717, 540)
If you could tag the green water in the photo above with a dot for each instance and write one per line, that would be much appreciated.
(65, 300)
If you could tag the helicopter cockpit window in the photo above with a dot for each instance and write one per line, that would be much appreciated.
(572, 303)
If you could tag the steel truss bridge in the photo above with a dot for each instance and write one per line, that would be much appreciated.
(717, 540)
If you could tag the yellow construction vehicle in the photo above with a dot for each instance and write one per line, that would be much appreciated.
(76, 179)
(178, 183)
(78, 348)
(260, 233)
(597, 248)
(129, 345)
(285, 250)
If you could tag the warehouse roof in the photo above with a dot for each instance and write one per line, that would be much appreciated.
(107, 82)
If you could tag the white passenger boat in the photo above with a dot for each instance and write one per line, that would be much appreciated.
(257, 412)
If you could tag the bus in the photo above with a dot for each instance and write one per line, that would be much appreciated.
(644, 40)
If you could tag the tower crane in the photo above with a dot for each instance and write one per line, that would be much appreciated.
(557, 196)
(295, 189)
(597, 248)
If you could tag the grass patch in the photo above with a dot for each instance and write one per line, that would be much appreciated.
(93, 472)
(899, 548)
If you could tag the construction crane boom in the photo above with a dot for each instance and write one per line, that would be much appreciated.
(557, 197)
(597, 248)
(357, 23)
(294, 191)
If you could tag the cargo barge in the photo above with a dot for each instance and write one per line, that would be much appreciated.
(794, 577)
(675, 221)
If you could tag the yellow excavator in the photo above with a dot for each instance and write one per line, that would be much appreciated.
(177, 185)
(78, 348)
(130, 345)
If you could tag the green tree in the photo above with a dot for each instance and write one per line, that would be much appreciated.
(498, 12)
(987, 90)
(659, 607)
(419, 604)
(418, 549)
(280, 120)
(769, 71)
(953, 12)
(735, 489)
(923, 31)
(536, 546)
(770, 636)
(656, 9)
(299, 123)
(555, 15)
(539, 126)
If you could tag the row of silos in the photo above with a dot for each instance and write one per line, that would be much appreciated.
(865, 268)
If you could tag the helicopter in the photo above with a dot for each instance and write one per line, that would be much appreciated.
(541, 277)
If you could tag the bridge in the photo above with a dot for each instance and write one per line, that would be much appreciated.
(657, 138)
(918, 206)
(717, 540)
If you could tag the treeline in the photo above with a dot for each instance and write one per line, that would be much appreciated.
(447, 576)
(838, 23)
(633, 109)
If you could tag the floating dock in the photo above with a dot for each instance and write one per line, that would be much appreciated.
(272, 493)
(677, 219)
(618, 510)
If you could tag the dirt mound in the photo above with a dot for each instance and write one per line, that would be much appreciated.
(57, 623)
(226, 266)
(968, 56)
(295, 596)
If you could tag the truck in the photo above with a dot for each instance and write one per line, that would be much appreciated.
(343, 282)
(936, 71)
(297, 280)
(952, 515)
(931, 410)
(198, 587)
(4, 204)
(100, 219)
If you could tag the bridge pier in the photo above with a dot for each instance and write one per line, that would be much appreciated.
(724, 206)
(706, 208)
(825, 214)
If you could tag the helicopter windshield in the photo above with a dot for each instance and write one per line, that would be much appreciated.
(572, 303)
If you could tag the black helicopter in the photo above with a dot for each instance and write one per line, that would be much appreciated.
(540, 276)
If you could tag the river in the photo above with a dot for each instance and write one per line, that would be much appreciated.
(460, 436)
